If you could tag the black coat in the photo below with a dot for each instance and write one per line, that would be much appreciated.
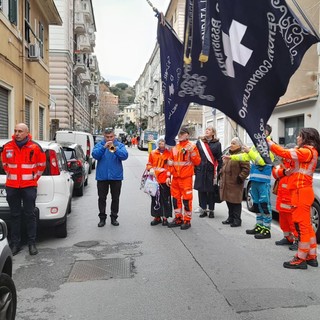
(205, 171)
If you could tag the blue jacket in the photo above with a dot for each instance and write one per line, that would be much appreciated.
(109, 165)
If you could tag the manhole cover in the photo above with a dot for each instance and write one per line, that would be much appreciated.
(101, 269)
(87, 244)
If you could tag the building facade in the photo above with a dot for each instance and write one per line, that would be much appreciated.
(74, 70)
(24, 65)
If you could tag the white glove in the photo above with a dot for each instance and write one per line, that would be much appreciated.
(151, 172)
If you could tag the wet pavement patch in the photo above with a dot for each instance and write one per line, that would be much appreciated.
(87, 244)
(101, 269)
(248, 300)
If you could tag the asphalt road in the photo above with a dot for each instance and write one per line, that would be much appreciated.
(136, 271)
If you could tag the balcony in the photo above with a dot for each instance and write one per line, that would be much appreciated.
(85, 78)
(80, 63)
(79, 23)
(83, 43)
(92, 92)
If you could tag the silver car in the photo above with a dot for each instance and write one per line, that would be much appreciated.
(8, 295)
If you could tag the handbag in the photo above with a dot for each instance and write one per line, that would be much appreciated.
(151, 186)
(275, 186)
(143, 179)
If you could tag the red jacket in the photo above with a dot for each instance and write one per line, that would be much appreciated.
(24, 166)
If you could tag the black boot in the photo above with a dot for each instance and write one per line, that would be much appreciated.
(33, 249)
(114, 221)
(102, 222)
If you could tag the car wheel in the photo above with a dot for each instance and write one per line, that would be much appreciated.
(69, 206)
(61, 229)
(8, 297)
(90, 166)
(79, 192)
(249, 198)
(315, 217)
(94, 165)
(86, 182)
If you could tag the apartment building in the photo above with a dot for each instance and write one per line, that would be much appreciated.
(74, 70)
(24, 65)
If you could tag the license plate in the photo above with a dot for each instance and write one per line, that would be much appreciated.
(3, 192)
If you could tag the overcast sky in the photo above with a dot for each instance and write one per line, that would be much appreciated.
(125, 38)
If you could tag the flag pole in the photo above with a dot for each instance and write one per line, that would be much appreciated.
(306, 19)
(163, 20)
(153, 8)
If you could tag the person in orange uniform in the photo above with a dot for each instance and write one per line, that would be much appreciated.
(24, 162)
(283, 203)
(184, 156)
(161, 205)
(302, 195)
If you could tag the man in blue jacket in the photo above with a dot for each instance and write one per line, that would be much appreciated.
(109, 174)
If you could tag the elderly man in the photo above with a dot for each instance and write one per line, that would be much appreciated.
(24, 162)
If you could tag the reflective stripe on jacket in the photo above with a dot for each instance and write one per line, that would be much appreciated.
(159, 162)
(182, 161)
(305, 159)
(259, 170)
(24, 166)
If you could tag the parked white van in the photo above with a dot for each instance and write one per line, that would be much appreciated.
(84, 139)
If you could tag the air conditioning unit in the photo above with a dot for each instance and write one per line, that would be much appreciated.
(34, 52)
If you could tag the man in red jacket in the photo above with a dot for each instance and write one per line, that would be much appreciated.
(24, 162)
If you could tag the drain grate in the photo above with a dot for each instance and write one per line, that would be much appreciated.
(101, 269)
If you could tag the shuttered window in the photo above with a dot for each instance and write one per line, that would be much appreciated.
(41, 123)
(4, 118)
(13, 12)
(27, 114)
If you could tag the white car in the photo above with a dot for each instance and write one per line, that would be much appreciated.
(55, 188)
(8, 294)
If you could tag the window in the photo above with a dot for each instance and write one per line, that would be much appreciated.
(27, 114)
(4, 113)
(27, 21)
(13, 12)
(41, 38)
(41, 123)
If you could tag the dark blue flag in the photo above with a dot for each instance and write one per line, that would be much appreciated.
(171, 57)
(239, 57)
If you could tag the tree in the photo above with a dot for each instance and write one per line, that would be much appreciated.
(130, 127)
(125, 93)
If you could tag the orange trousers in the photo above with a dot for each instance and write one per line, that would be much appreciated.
(287, 226)
(182, 194)
(302, 200)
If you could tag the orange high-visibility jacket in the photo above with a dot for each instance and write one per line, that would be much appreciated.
(159, 163)
(23, 166)
(305, 162)
(283, 203)
(184, 156)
